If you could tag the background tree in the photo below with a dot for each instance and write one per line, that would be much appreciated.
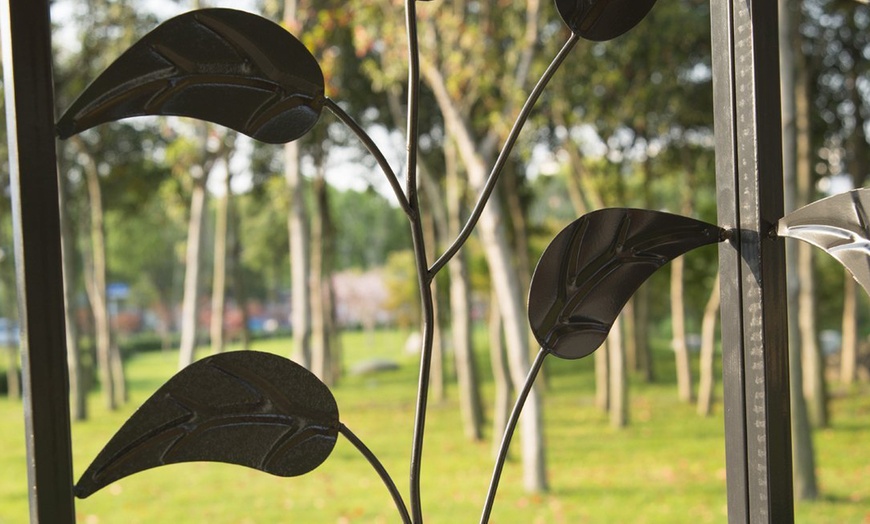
(802, 445)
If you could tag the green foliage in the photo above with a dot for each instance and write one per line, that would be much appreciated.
(368, 228)
(400, 279)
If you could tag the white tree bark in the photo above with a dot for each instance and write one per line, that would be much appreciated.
(189, 304)
(505, 284)
(708, 351)
(678, 339)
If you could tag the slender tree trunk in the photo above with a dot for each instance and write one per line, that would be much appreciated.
(803, 455)
(189, 305)
(297, 227)
(602, 376)
(119, 374)
(470, 402)
(849, 329)
(641, 331)
(629, 341)
(708, 352)
(678, 340)
(859, 165)
(506, 284)
(319, 340)
(13, 383)
(815, 387)
(321, 275)
(97, 288)
(240, 290)
(436, 384)
(77, 391)
(645, 362)
(618, 394)
(219, 271)
(500, 374)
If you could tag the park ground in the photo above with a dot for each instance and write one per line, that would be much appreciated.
(668, 466)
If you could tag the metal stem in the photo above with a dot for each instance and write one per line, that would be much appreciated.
(382, 472)
(373, 149)
(509, 432)
(423, 276)
(489, 186)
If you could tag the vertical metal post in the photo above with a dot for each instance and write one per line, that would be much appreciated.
(754, 315)
(26, 38)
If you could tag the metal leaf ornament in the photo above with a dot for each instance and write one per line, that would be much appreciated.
(248, 408)
(593, 266)
(228, 67)
(600, 20)
(840, 225)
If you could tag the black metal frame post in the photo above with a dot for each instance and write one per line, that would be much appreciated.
(26, 34)
(754, 314)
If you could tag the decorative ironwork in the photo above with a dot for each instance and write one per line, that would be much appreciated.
(245, 407)
(840, 225)
(225, 66)
(266, 412)
(594, 266)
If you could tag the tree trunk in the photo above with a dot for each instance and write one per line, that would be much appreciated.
(297, 227)
(678, 339)
(77, 391)
(436, 384)
(97, 288)
(858, 167)
(618, 390)
(240, 290)
(219, 272)
(506, 284)
(646, 364)
(319, 342)
(849, 346)
(500, 374)
(629, 341)
(470, 402)
(641, 332)
(814, 386)
(803, 455)
(320, 274)
(13, 382)
(189, 305)
(708, 352)
(602, 376)
(13, 385)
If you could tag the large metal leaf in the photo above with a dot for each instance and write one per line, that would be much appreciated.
(840, 225)
(601, 20)
(249, 408)
(225, 66)
(593, 266)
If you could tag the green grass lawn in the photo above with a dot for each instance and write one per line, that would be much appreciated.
(667, 467)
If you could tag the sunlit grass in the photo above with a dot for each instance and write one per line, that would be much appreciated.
(667, 467)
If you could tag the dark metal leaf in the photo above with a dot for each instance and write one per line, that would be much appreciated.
(601, 20)
(840, 225)
(225, 66)
(245, 407)
(593, 266)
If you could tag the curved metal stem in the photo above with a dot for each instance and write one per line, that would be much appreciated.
(373, 149)
(423, 275)
(379, 468)
(489, 186)
(509, 432)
